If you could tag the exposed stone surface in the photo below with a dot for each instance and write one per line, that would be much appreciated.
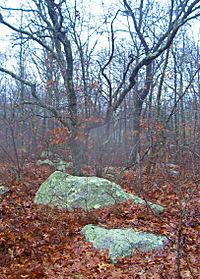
(62, 165)
(3, 192)
(45, 162)
(121, 242)
(170, 168)
(59, 165)
(46, 154)
(66, 191)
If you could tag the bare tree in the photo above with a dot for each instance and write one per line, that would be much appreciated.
(153, 42)
(52, 26)
(51, 15)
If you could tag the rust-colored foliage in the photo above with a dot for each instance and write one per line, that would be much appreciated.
(59, 135)
(41, 242)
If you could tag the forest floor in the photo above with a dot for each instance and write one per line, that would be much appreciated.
(41, 242)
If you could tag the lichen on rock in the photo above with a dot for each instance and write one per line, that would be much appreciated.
(122, 242)
(66, 191)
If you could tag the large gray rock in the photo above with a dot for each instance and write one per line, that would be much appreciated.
(121, 242)
(66, 191)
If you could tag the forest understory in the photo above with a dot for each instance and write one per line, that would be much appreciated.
(105, 84)
(42, 242)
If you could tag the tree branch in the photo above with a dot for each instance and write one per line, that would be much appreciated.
(30, 35)
(31, 84)
(163, 44)
(33, 93)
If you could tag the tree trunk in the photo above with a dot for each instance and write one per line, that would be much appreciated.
(137, 109)
(65, 61)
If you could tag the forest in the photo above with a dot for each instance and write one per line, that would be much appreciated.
(99, 94)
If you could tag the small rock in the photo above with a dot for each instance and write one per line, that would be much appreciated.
(62, 165)
(121, 242)
(45, 162)
(46, 154)
(3, 192)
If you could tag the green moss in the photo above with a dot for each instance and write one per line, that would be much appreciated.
(121, 242)
(66, 191)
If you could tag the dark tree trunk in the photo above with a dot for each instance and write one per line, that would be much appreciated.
(137, 109)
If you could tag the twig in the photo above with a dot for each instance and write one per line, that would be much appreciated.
(190, 269)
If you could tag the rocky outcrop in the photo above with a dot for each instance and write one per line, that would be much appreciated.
(121, 242)
(66, 191)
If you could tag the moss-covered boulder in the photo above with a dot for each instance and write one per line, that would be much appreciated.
(66, 191)
(121, 242)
